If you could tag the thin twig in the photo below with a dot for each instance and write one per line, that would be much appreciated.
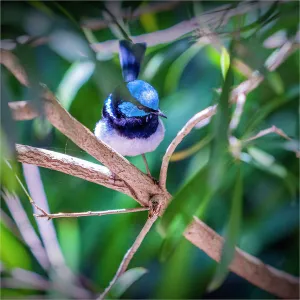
(272, 62)
(130, 253)
(202, 115)
(91, 213)
(264, 132)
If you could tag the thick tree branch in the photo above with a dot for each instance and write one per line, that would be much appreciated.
(245, 265)
(72, 166)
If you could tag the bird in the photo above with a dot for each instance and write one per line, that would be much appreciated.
(130, 122)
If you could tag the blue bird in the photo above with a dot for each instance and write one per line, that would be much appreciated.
(130, 121)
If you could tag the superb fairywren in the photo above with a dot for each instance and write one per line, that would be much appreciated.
(130, 121)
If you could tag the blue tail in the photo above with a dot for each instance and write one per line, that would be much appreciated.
(131, 56)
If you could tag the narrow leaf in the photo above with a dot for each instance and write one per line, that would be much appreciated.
(75, 77)
(126, 280)
(224, 61)
(69, 239)
(219, 151)
(231, 235)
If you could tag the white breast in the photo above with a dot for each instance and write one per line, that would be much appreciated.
(129, 147)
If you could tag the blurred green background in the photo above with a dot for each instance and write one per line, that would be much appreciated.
(52, 42)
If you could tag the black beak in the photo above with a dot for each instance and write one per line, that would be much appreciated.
(159, 113)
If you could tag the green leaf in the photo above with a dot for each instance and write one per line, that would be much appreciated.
(28, 60)
(271, 227)
(69, 240)
(224, 61)
(267, 109)
(126, 280)
(178, 66)
(181, 210)
(8, 125)
(149, 21)
(266, 162)
(153, 66)
(220, 145)
(231, 235)
(12, 252)
(75, 77)
(276, 82)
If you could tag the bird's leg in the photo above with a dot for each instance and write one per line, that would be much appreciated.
(146, 164)
(147, 168)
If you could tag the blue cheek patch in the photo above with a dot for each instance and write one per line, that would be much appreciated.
(130, 110)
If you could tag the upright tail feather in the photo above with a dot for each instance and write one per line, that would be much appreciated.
(131, 56)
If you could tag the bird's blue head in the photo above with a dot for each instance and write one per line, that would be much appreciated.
(146, 100)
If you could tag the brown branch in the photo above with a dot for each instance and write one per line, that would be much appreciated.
(235, 120)
(272, 62)
(72, 166)
(245, 265)
(12, 63)
(264, 132)
(23, 110)
(203, 115)
(91, 213)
